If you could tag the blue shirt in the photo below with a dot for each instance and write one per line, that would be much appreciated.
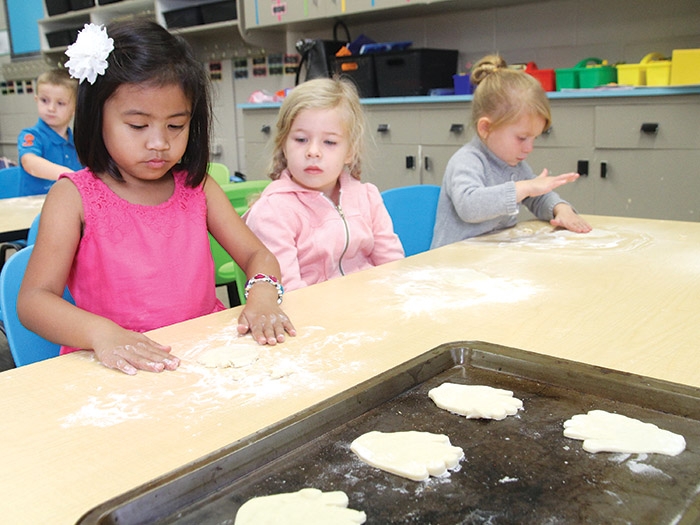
(46, 143)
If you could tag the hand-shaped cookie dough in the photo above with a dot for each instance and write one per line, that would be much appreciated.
(413, 455)
(606, 432)
(475, 401)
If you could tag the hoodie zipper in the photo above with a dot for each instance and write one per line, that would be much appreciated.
(347, 238)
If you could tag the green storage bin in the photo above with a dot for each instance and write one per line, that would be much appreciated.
(582, 75)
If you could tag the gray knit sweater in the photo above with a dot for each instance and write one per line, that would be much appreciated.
(478, 195)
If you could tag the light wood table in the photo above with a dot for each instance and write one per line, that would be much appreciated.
(626, 296)
(17, 214)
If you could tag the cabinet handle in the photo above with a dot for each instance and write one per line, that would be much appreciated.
(457, 129)
(652, 128)
(265, 129)
(410, 162)
(603, 170)
(428, 164)
(383, 128)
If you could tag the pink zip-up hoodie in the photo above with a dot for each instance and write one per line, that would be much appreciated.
(313, 240)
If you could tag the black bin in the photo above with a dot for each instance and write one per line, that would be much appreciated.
(219, 12)
(77, 5)
(57, 7)
(190, 16)
(414, 71)
(360, 69)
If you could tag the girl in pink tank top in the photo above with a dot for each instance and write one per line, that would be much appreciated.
(128, 234)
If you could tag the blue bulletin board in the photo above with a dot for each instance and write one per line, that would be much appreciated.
(22, 18)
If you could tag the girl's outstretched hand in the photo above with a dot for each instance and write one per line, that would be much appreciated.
(566, 217)
(267, 326)
(135, 352)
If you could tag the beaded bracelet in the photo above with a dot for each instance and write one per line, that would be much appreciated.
(262, 278)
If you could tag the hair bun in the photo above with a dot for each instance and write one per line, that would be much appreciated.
(485, 67)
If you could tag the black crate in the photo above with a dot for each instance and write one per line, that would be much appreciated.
(360, 69)
(219, 12)
(77, 5)
(57, 7)
(190, 16)
(414, 71)
(59, 38)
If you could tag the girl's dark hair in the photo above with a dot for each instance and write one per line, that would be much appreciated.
(145, 53)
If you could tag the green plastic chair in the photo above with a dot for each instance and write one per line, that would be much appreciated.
(227, 272)
(219, 172)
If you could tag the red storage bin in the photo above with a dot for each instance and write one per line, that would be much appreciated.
(545, 76)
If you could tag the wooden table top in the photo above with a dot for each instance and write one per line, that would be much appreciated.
(626, 296)
(17, 214)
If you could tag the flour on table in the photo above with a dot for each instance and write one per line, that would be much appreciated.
(603, 431)
(475, 401)
(229, 357)
(309, 506)
(411, 454)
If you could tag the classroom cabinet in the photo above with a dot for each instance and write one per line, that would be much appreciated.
(638, 156)
(411, 144)
(183, 16)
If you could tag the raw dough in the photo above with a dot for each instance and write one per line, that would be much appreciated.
(413, 455)
(229, 356)
(605, 432)
(307, 507)
(475, 401)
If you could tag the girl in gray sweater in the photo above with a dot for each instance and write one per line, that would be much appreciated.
(486, 180)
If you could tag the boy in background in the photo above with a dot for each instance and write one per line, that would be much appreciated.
(46, 150)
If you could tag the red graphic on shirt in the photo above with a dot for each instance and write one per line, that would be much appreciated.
(28, 141)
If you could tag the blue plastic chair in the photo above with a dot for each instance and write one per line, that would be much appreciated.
(9, 182)
(412, 210)
(25, 346)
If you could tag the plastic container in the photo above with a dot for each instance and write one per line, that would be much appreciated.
(360, 69)
(462, 84)
(659, 73)
(546, 77)
(636, 74)
(77, 5)
(57, 7)
(219, 12)
(586, 75)
(190, 16)
(414, 71)
(685, 67)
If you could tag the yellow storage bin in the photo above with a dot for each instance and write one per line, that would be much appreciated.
(659, 73)
(685, 67)
(638, 74)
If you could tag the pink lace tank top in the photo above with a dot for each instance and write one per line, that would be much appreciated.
(143, 267)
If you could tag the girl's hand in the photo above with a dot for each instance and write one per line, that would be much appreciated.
(542, 184)
(566, 217)
(267, 326)
(131, 351)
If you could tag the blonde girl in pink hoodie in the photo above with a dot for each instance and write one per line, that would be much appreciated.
(316, 216)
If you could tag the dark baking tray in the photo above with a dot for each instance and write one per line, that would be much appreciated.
(518, 470)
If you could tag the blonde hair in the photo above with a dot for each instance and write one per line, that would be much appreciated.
(58, 77)
(322, 93)
(503, 95)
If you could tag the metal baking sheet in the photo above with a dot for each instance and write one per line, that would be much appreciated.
(518, 470)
